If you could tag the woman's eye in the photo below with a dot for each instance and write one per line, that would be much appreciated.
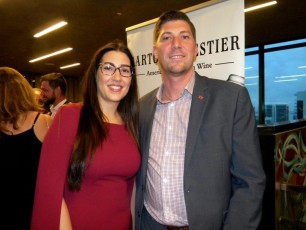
(126, 70)
(108, 67)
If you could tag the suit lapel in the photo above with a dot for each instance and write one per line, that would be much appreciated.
(200, 98)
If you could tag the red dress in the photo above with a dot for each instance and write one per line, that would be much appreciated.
(104, 199)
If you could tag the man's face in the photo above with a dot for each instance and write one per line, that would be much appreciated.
(175, 48)
(47, 92)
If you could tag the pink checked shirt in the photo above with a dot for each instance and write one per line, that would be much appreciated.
(164, 197)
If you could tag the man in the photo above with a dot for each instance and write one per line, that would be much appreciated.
(53, 86)
(201, 161)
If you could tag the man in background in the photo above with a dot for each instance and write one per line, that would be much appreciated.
(53, 86)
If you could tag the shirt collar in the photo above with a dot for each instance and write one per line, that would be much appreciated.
(188, 88)
(55, 108)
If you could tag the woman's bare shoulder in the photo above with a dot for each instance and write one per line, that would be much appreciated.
(42, 126)
(48, 119)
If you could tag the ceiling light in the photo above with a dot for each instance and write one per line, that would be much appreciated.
(286, 80)
(294, 75)
(68, 66)
(251, 84)
(50, 29)
(51, 54)
(260, 6)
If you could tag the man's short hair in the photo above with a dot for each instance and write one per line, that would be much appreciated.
(172, 15)
(55, 80)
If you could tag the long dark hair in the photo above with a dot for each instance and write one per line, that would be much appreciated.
(92, 129)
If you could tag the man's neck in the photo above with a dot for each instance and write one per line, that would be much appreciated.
(175, 85)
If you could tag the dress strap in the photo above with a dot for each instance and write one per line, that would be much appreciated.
(36, 119)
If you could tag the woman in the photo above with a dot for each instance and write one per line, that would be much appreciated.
(41, 100)
(90, 155)
(22, 131)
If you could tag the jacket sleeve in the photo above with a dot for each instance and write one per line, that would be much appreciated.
(54, 161)
(248, 177)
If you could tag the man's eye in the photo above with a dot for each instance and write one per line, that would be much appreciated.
(185, 37)
(166, 38)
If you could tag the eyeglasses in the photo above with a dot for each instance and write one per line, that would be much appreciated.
(110, 69)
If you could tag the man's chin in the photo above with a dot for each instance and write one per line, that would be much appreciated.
(177, 71)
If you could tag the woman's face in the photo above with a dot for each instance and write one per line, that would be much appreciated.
(111, 85)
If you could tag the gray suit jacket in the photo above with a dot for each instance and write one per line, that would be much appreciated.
(224, 179)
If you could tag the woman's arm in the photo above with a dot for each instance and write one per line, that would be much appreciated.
(65, 222)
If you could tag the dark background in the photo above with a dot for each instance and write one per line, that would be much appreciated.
(92, 23)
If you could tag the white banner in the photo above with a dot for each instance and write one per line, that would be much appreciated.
(220, 36)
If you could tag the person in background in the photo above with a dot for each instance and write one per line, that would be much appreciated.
(41, 101)
(38, 96)
(22, 131)
(90, 155)
(201, 161)
(53, 86)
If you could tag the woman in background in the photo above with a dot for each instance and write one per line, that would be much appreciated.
(90, 155)
(22, 131)
(41, 101)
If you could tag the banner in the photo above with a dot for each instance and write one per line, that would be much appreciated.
(220, 36)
